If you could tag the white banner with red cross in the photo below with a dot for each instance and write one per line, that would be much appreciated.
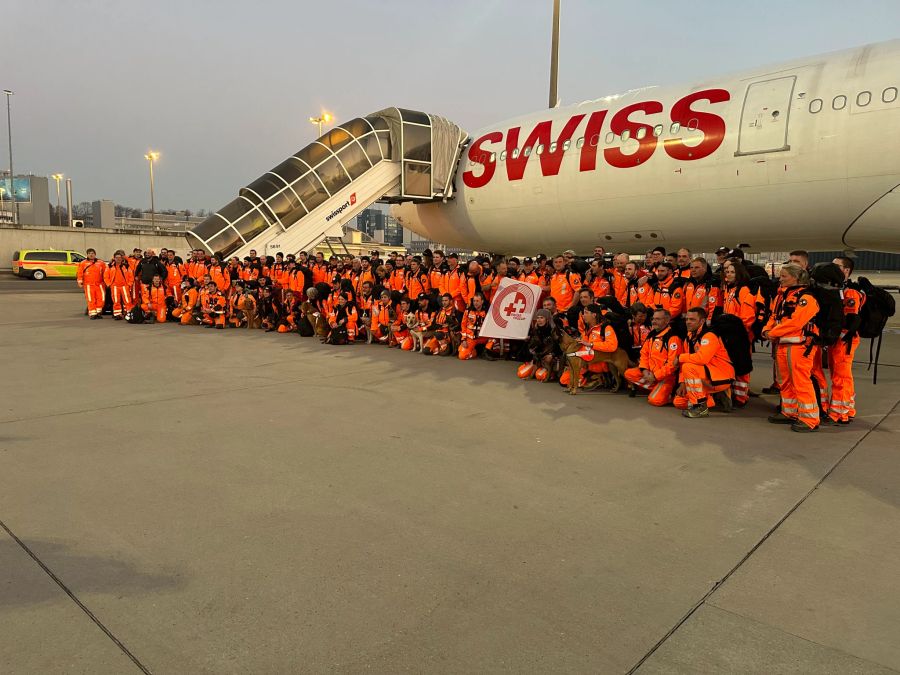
(512, 308)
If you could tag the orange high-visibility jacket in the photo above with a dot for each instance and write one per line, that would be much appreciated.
(669, 295)
(741, 302)
(792, 315)
(563, 288)
(659, 352)
(119, 275)
(90, 272)
(704, 348)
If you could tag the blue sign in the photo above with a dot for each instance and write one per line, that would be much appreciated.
(22, 187)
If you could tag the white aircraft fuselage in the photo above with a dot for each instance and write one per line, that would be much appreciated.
(804, 154)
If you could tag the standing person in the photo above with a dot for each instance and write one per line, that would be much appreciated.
(174, 268)
(668, 292)
(740, 301)
(562, 284)
(683, 263)
(149, 267)
(220, 275)
(842, 407)
(701, 289)
(119, 280)
(89, 276)
(789, 328)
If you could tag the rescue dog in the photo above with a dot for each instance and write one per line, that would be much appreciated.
(618, 362)
(247, 306)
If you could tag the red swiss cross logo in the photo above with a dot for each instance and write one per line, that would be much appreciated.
(512, 303)
(352, 199)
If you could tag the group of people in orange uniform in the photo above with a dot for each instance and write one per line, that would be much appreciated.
(663, 311)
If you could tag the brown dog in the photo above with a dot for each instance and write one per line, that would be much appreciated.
(618, 362)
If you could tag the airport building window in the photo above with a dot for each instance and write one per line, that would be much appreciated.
(675, 128)
(863, 98)
(815, 105)
(839, 102)
(889, 95)
(658, 130)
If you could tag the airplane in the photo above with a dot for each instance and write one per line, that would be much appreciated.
(803, 154)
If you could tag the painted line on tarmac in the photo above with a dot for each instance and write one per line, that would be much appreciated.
(756, 546)
(65, 589)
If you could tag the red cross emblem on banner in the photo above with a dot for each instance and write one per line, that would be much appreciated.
(516, 306)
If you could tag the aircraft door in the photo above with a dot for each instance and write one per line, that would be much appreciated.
(765, 116)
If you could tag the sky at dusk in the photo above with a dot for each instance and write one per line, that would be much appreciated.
(224, 89)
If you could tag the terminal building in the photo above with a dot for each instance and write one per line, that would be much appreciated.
(32, 198)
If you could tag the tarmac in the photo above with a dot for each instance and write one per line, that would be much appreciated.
(182, 500)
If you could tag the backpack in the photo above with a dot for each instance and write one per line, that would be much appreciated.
(620, 327)
(825, 285)
(730, 330)
(136, 315)
(764, 288)
(878, 307)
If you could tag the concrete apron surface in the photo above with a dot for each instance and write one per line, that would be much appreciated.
(187, 500)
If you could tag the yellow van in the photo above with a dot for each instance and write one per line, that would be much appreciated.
(41, 263)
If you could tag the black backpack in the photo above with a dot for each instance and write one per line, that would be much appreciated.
(620, 327)
(825, 286)
(764, 289)
(136, 315)
(730, 330)
(878, 307)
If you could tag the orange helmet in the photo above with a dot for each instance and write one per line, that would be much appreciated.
(407, 344)
(542, 374)
(525, 371)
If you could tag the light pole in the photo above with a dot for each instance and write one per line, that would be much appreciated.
(14, 204)
(58, 177)
(324, 118)
(151, 157)
(554, 56)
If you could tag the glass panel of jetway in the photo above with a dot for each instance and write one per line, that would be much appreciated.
(319, 176)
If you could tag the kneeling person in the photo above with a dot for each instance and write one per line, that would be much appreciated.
(705, 368)
(657, 365)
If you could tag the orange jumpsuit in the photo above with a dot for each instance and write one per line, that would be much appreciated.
(658, 355)
(185, 312)
(471, 327)
(417, 283)
(794, 355)
(381, 320)
(620, 287)
(120, 281)
(701, 294)
(217, 305)
(842, 406)
(564, 286)
(741, 302)
(600, 338)
(704, 368)
(668, 295)
(154, 302)
(90, 278)
(173, 280)
(456, 285)
(220, 275)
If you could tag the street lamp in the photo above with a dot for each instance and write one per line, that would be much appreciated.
(14, 204)
(58, 177)
(324, 118)
(151, 157)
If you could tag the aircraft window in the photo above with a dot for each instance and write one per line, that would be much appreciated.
(889, 95)
(566, 145)
(641, 133)
(515, 153)
(839, 102)
(675, 128)
(503, 156)
(610, 137)
(552, 148)
(658, 130)
(626, 135)
(493, 157)
(815, 105)
(539, 150)
(579, 143)
(863, 98)
(527, 151)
